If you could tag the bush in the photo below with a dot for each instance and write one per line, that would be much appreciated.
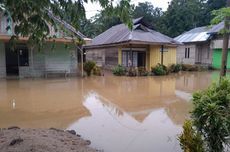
(88, 67)
(211, 115)
(119, 70)
(97, 71)
(132, 72)
(189, 67)
(190, 139)
(175, 68)
(160, 69)
(142, 71)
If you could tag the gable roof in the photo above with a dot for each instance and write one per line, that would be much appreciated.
(216, 28)
(66, 25)
(140, 34)
(199, 34)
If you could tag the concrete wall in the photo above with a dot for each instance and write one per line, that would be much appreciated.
(199, 54)
(218, 43)
(2, 60)
(181, 54)
(47, 59)
(104, 57)
(203, 54)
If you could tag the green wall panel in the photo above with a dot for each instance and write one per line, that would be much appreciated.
(217, 55)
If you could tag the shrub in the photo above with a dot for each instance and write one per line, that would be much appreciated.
(189, 67)
(211, 115)
(175, 68)
(88, 67)
(190, 139)
(132, 72)
(119, 70)
(97, 71)
(160, 69)
(142, 71)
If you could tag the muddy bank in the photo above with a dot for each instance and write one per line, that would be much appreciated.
(15, 139)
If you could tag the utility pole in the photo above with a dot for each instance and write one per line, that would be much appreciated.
(225, 44)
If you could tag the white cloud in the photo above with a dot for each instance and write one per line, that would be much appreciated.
(93, 8)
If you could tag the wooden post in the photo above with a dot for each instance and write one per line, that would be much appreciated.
(225, 46)
(162, 54)
(82, 62)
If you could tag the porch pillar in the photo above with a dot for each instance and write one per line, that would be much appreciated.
(130, 57)
(162, 54)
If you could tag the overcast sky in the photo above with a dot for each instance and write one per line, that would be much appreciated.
(92, 9)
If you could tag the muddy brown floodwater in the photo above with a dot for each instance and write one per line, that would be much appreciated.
(118, 114)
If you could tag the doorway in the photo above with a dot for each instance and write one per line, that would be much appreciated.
(15, 58)
(11, 61)
(141, 59)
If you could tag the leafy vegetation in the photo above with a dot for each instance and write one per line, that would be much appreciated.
(210, 117)
(33, 19)
(132, 72)
(119, 70)
(88, 67)
(142, 71)
(97, 71)
(189, 67)
(190, 139)
(181, 15)
(159, 69)
(211, 114)
(175, 68)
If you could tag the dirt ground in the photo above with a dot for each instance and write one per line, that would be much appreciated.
(42, 140)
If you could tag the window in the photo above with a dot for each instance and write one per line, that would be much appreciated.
(126, 55)
(187, 53)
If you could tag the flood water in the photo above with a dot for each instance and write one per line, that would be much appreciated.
(118, 114)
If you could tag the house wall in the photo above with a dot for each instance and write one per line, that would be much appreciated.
(110, 57)
(2, 60)
(169, 57)
(47, 59)
(104, 57)
(203, 54)
(216, 46)
(218, 43)
(217, 56)
(181, 54)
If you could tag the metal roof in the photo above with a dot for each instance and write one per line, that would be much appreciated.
(199, 34)
(140, 33)
(216, 28)
(66, 25)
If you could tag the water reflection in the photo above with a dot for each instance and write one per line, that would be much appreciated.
(118, 130)
(115, 113)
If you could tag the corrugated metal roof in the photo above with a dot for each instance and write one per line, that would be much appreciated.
(216, 28)
(199, 34)
(121, 33)
(66, 25)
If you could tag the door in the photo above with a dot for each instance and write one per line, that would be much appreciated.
(11, 61)
(141, 59)
(199, 54)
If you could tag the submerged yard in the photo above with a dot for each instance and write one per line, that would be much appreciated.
(116, 113)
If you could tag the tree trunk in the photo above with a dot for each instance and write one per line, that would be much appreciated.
(225, 46)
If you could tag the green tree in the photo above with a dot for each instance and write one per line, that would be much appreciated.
(223, 14)
(209, 6)
(151, 15)
(182, 15)
(33, 19)
(98, 23)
